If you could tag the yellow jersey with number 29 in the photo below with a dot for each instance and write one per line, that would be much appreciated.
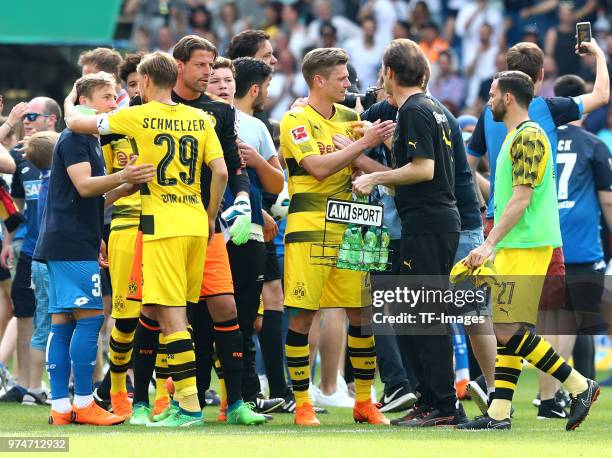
(177, 140)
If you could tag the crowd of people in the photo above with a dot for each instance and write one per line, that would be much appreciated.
(170, 228)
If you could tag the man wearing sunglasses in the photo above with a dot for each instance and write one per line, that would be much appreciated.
(41, 114)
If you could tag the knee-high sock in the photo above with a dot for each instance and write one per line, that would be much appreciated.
(296, 349)
(146, 343)
(540, 353)
(363, 358)
(228, 346)
(58, 364)
(271, 342)
(120, 353)
(161, 369)
(83, 353)
(182, 369)
(508, 368)
(202, 336)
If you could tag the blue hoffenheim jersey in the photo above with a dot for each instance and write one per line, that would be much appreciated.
(584, 167)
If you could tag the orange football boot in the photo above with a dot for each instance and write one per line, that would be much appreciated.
(121, 404)
(93, 414)
(367, 412)
(305, 415)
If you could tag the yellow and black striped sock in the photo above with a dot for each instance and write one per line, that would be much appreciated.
(362, 353)
(182, 369)
(120, 352)
(540, 353)
(508, 369)
(297, 351)
(161, 369)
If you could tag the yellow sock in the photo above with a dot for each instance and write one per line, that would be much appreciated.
(161, 369)
(120, 353)
(363, 358)
(296, 349)
(508, 369)
(219, 371)
(575, 383)
(182, 369)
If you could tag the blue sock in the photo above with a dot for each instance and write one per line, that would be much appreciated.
(58, 359)
(83, 352)
(235, 405)
(462, 364)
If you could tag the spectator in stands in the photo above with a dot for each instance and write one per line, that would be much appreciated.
(345, 28)
(201, 23)
(274, 19)
(520, 13)
(294, 29)
(482, 65)
(560, 40)
(365, 53)
(402, 29)
(431, 42)
(329, 36)
(386, 13)
(485, 86)
(419, 16)
(469, 21)
(447, 86)
(230, 23)
(531, 34)
(284, 87)
(165, 40)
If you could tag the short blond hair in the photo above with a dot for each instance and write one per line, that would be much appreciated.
(86, 85)
(321, 61)
(160, 67)
(39, 148)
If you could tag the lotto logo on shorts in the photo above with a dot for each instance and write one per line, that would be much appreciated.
(299, 291)
(299, 134)
(81, 301)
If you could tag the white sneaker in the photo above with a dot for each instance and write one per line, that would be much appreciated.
(338, 399)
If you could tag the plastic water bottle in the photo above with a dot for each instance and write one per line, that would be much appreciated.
(355, 248)
(343, 261)
(370, 255)
(385, 240)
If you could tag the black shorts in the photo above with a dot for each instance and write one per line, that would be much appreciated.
(22, 291)
(584, 285)
(428, 254)
(5, 274)
(272, 271)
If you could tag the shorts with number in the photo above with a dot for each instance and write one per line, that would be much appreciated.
(172, 270)
(521, 273)
(74, 285)
(120, 257)
(217, 278)
(311, 286)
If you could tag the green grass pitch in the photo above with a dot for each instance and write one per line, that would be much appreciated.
(338, 436)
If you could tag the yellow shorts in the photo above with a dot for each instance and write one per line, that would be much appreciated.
(172, 270)
(120, 257)
(310, 286)
(521, 273)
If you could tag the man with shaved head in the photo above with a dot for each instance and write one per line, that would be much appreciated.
(42, 114)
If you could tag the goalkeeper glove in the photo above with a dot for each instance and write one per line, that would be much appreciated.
(240, 215)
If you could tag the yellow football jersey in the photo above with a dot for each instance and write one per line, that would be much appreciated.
(177, 140)
(126, 211)
(304, 132)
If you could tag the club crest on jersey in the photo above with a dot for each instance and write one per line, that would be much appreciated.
(299, 135)
(212, 118)
(132, 287)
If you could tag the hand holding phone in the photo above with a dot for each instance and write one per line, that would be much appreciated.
(583, 33)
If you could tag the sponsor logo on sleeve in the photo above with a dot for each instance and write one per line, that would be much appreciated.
(299, 135)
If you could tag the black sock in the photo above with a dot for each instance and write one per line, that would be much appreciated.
(228, 345)
(271, 342)
(146, 342)
(202, 336)
(104, 388)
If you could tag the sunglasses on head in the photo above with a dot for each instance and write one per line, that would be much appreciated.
(33, 116)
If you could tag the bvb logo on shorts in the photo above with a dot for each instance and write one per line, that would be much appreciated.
(299, 291)
(118, 304)
(132, 288)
